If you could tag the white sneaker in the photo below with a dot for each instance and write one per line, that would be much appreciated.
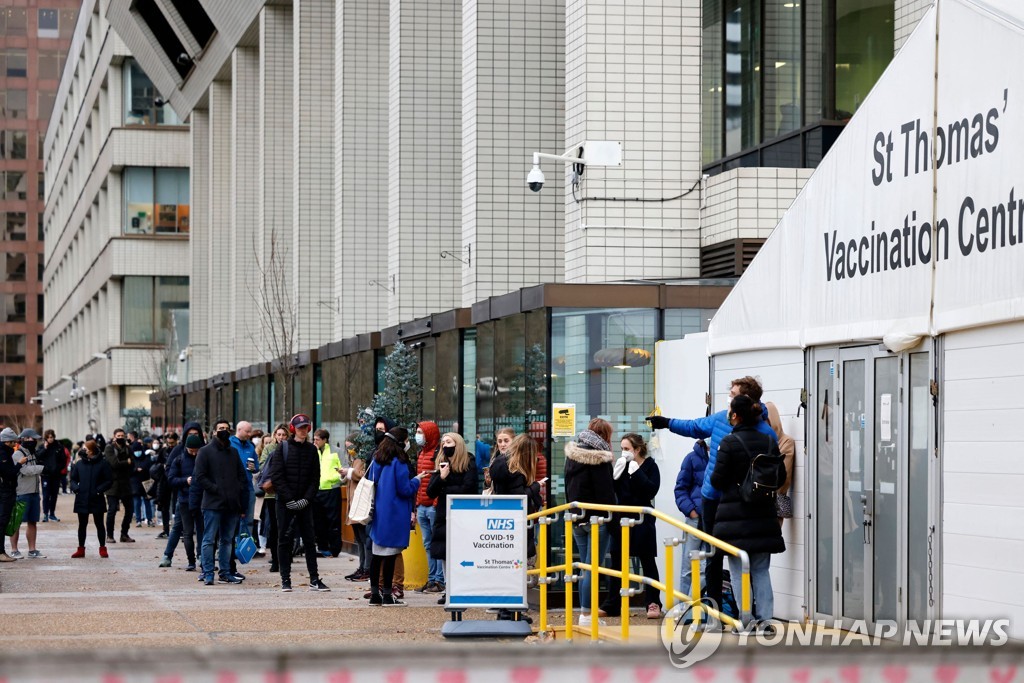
(16, 554)
(585, 621)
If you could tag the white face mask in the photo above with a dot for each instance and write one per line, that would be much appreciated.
(420, 439)
(628, 455)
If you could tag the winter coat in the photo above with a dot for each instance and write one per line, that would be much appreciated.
(53, 458)
(10, 470)
(439, 489)
(297, 476)
(28, 477)
(219, 473)
(588, 475)
(265, 460)
(425, 461)
(330, 462)
(179, 471)
(689, 481)
(786, 445)
(120, 461)
(639, 489)
(246, 451)
(90, 479)
(504, 482)
(716, 427)
(140, 473)
(753, 527)
(394, 493)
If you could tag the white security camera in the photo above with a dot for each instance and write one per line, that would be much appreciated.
(183, 356)
(535, 180)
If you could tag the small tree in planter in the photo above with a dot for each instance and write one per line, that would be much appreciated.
(400, 398)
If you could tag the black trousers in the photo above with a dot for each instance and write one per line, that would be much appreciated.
(7, 501)
(286, 538)
(713, 570)
(327, 521)
(270, 521)
(113, 502)
(51, 490)
(83, 526)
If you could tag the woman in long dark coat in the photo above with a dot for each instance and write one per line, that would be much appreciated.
(456, 474)
(90, 478)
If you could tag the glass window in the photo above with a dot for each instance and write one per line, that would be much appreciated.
(16, 103)
(14, 267)
(49, 65)
(197, 20)
(14, 226)
(12, 308)
(68, 19)
(782, 65)
(12, 21)
(148, 306)
(742, 77)
(49, 23)
(156, 200)
(140, 99)
(15, 63)
(711, 81)
(40, 300)
(46, 98)
(683, 321)
(13, 350)
(15, 186)
(18, 144)
(41, 185)
(814, 80)
(864, 47)
(13, 389)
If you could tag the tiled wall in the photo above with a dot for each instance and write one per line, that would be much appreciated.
(632, 75)
(361, 166)
(245, 323)
(748, 202)
(425, 170)
(220, 259)
(201, 221)
(513, 104)
(313, 179)
(908, 14)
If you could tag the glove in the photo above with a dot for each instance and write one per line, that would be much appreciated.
(619, 467)
(633, 466)
(658, 422)
(297, 505)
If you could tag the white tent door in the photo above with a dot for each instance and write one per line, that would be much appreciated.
(871, 417)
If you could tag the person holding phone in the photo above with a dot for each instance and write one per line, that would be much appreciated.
(456, 474)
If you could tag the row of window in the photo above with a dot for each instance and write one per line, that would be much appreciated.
(14, 225)
(50, 23)
(14, 144)
(13, 348)
(14, 103)
(14, 63)
(12, 389)
(16, 185)
(14, 308)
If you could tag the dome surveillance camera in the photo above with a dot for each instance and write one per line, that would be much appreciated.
(535, 180)
(183, 356)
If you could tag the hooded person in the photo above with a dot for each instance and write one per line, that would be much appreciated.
(589, 479)
(120, 493)
(187, 522)
(428, 438)
(91, 476)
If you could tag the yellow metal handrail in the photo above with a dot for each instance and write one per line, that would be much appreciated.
(548, 516)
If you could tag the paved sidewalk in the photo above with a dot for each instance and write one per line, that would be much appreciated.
(58, 602)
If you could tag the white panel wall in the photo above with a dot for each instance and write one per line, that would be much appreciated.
(632, 74)
(781, 372)
(748, 202)
(245, 199)
(983, 475)
(908, 13)
(220, 258)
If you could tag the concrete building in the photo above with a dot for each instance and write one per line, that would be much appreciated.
(34, 38)
(116, 222)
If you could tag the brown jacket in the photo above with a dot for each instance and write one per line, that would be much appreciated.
(786, 445)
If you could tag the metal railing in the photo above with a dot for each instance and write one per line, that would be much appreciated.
(547, 575)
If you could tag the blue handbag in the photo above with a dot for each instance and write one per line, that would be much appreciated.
(245, 548)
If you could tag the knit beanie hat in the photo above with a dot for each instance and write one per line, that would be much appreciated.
(589, 440)
(194, 441)
(8, 435)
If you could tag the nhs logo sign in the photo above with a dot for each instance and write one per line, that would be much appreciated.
(496, 524)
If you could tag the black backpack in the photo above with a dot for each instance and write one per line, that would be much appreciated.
(766, 474)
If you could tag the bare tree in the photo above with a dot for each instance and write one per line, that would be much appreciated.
(163, 371)
(274, 298)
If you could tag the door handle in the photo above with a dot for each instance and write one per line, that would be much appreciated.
(867, 519)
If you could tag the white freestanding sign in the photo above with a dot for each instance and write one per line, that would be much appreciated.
(486, 552)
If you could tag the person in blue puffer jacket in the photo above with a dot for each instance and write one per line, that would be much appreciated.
(394, 494)
(690, 503)
(716, 427)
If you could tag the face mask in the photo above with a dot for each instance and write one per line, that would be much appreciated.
(378, 437)
(223, 434)
(121, 441)
(448, 451)
(628, 455)
(29, 444)
(420, 439)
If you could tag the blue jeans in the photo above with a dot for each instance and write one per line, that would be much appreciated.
(183, 529)
(425, 516)
(220, 525)
(140, 503)
(581, 540)
(760, 584)
(690, 543)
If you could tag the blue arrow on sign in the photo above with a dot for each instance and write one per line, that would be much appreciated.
(466, 563)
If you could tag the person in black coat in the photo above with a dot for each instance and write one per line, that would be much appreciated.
(456, 474)
(637, 481)
(91, 477)
(53, 458)
(752, 527)
(225, 485)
